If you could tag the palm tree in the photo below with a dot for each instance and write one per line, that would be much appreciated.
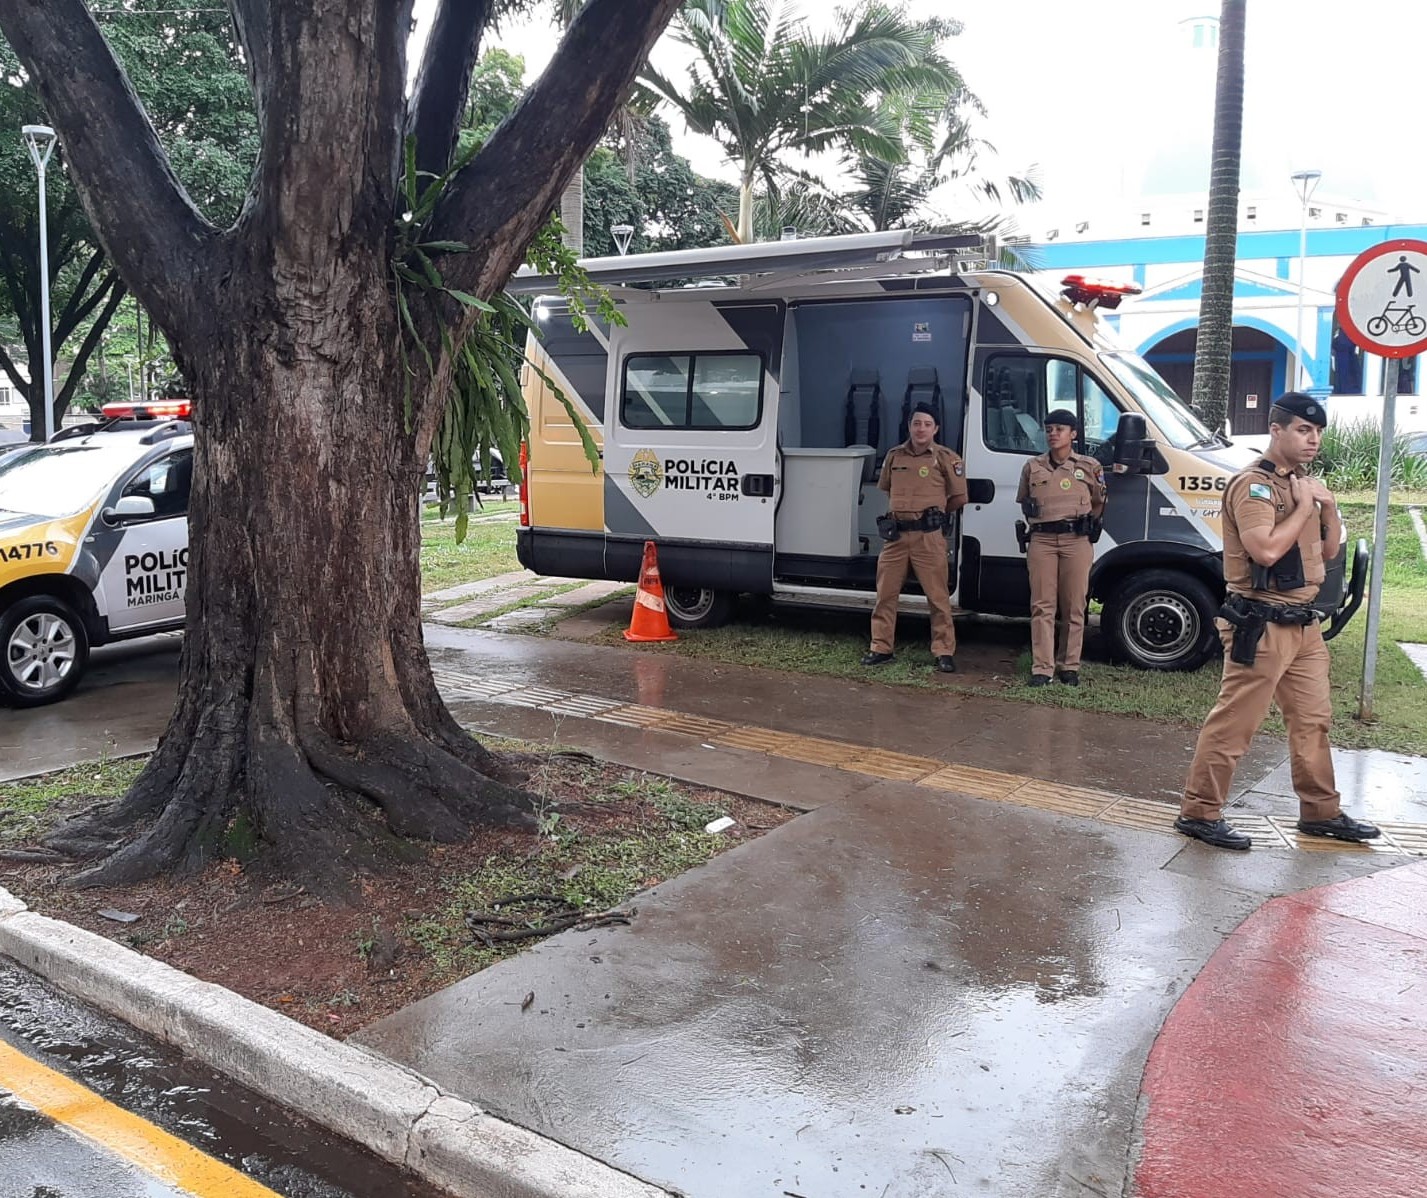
(1214, 349)
(763, 83)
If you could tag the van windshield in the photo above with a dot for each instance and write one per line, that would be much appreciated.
(1158, 401)
(60, 480)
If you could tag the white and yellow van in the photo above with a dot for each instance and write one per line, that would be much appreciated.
(93, 544)
(743, 411)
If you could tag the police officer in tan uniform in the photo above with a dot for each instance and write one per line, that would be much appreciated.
(926, 483)
(1062, 494)
(1279, 526)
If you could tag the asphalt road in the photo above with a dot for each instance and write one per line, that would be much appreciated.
(89, 1108)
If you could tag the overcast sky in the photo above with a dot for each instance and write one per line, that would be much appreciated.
(1103, 97)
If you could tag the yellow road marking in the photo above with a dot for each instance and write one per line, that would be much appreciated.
(123, 1134)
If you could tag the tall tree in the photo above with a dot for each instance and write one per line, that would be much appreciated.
(184, 66)
(1214, 349)
(306, 703)
(763, 83)
(669, 205)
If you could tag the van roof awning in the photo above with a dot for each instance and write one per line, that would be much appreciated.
(813, 253)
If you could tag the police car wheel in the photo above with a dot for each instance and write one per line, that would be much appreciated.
(1161, 620)
(45, 651)
(697, 607)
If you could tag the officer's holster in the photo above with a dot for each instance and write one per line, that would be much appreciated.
(1023, 536)
(1248, 623)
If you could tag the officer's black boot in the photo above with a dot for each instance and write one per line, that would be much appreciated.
(1039, 680)
(1340, 827)
(946, 664)
(1069, 677)
(877, 659)
(1217, 832)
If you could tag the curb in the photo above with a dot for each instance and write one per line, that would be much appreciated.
(400, 1115)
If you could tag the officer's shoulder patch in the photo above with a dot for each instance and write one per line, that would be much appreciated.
(958, 469)
(1261, 491)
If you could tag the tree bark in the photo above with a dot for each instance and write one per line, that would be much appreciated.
(1214, 347)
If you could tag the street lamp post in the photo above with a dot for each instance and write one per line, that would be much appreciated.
(40, 139)
(1304, 182)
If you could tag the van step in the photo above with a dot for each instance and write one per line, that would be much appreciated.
(807, 596)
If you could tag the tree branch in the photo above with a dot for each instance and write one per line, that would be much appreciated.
(7, 364)
(444, 82)
(77, 307)
(144, 219)
(547, 138)
(252, 22)
(86, 347)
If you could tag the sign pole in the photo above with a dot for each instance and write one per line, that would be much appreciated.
(1379, 541)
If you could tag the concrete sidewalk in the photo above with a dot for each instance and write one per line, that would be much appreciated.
(908, 992)
(947, 978)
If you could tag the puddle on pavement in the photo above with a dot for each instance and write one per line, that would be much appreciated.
(214, 1114)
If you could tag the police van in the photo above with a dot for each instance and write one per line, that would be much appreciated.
(93, 544)
(743, 410)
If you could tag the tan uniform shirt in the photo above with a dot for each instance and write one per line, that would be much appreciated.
(1075, 487)
(916, 481)
(1259, 497)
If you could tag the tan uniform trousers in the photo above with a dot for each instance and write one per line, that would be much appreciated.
(926, 552)
(1059, 565)
(1292, 668)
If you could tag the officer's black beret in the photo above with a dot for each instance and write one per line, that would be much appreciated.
(1295, 403)
(927, 410)
(1062, 416)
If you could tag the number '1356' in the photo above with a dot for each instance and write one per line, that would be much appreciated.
(1201, 482)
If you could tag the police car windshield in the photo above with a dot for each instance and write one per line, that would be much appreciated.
(1157, 400)
(60, 480)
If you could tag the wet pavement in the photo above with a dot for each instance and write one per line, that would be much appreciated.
(40, 1158)
(119, 709)
(908, 991)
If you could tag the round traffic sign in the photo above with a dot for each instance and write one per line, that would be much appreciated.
(1382, 299)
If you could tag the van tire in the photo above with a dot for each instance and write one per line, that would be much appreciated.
(67, 641)
(1161, 620)
(697, 607)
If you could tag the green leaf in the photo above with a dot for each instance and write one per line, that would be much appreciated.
(468, 299)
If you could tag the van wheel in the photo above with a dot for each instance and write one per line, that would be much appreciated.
(697, 607)
(45, 651)
(1161, 620)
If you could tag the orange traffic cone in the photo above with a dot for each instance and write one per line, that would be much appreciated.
(650, 622)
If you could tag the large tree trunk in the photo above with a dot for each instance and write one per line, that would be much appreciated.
(308, 723)
(307, 706)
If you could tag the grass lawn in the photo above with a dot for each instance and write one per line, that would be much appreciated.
(489, 548)
(995, 659)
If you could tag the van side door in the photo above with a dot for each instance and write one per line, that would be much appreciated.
(691, 446)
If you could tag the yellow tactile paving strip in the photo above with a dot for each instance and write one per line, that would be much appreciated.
(1020, 790)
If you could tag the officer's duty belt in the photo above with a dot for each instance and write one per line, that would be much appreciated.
(1248, 618)
(1061, 526)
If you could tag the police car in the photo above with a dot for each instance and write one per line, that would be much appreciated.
(93, 544)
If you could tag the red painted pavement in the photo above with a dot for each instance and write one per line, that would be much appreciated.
(1295, 1065)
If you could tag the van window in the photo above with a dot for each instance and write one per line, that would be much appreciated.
(704, 390)
(1019, 390)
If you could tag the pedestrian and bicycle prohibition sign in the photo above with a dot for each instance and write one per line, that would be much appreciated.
(1382, 299)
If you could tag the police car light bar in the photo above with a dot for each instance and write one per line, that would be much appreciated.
(165, 409)
(1093, 292)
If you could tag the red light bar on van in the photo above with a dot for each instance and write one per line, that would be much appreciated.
(1094, 292)
(162, 409)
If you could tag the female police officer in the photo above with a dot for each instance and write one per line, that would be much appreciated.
(926, 485)
(1062, 494)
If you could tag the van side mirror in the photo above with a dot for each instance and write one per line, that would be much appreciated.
(129, 507)
(1134, 450)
